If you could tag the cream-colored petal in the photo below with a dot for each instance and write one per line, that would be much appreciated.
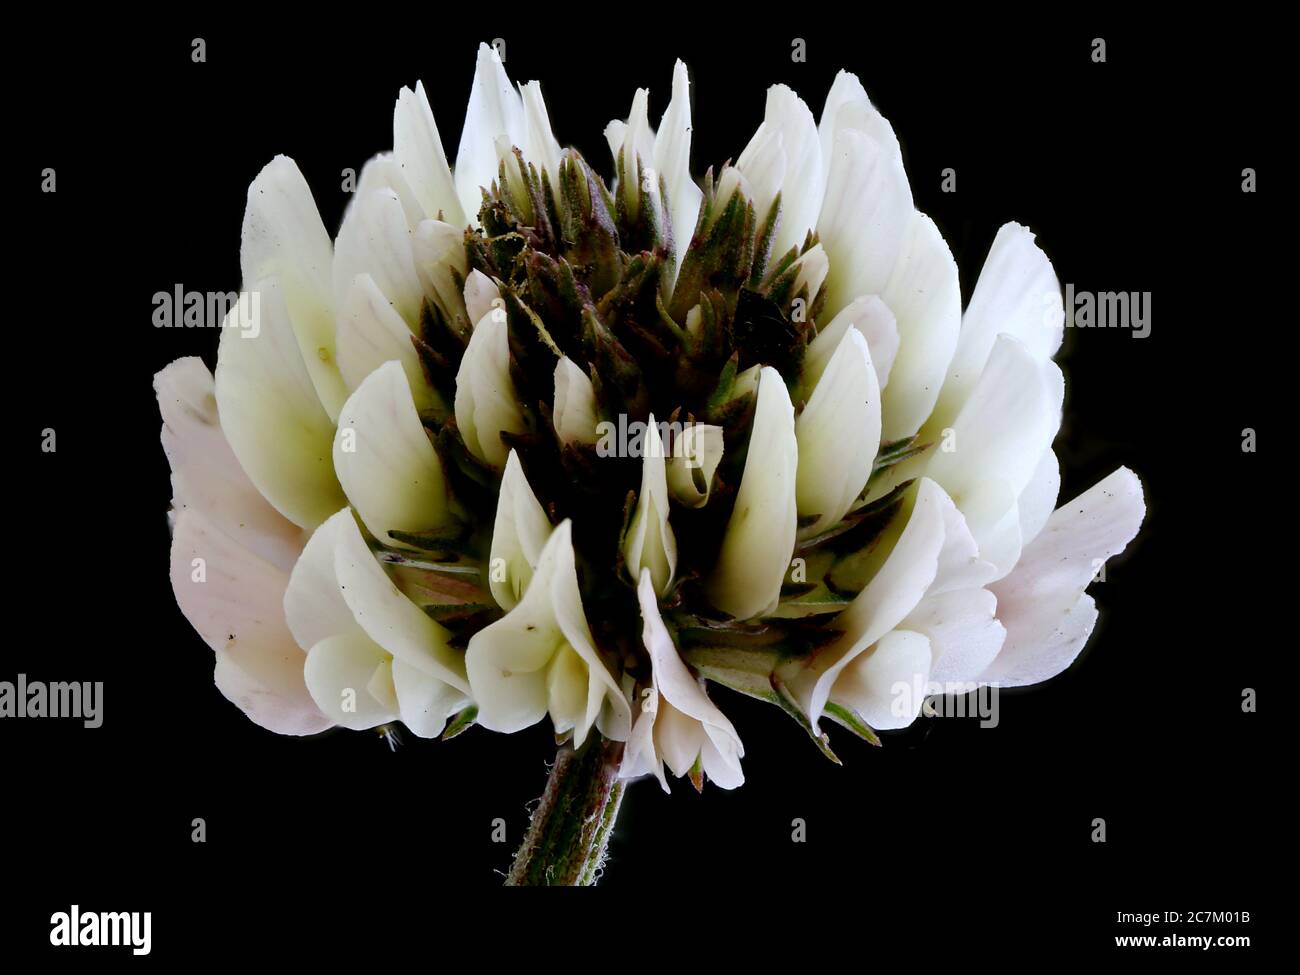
(339, 672)
(481, 295)
(838, 434)
(650, 543)
(760, 535)
(390, 618)
(508, 661)
(441, 263)
(371, 332)
(283, 237)
(314, 607)
(870, 316)
(384, 460)
(418, 151)
(495, 112)
(376, 239)
(575, 413)
(271, 415)
(697, 452)
(486, 402)
(381, 172)
(672, 159)
(518, 535)
(424, 702)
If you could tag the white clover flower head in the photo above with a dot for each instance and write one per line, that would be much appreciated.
(523, 443)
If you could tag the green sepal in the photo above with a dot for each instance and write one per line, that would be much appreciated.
(461, 722)
(849, 718)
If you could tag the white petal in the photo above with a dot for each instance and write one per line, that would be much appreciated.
(381, 172)
(566, 690)
(518, 535)
(339, 672)
(283, 237)
(838, 434)
(864, 218)
(417, 149)
(375, 239)
(812, 270)
(384, 460)
(1008, 421)
(963, 632)
(1017, 294)
(895, 590)
(538, 144)
(886, 685)
(481, 293)
(574, 414)
(803, 179)
(271, 416)
(679, 739)
(924, 294)
(1038, 498)
(637, 151)
(1041, 603)
(848, 107)
(486, 403)
(650, 543)
(390, 618)
(697, 452)
(615, 133)
(508, 661)
(233, 599)
(763, 161)
(495, 110)
(205, 473)
(371, 333)
(672, 159)
(439, 250)
(760, 535)
(870, 316)
(730, 182)
(640, 756)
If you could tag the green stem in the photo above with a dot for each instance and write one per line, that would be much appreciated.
(566, 839)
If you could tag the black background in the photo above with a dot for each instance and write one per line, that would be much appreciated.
(1129, 172)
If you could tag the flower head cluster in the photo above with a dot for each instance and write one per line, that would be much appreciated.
(522, 444)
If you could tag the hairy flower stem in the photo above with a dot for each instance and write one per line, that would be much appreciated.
(565, 843)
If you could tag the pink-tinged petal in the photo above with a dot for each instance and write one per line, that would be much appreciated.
(683, 723)
(205, 473)
(1042, 602)
(234, 600)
